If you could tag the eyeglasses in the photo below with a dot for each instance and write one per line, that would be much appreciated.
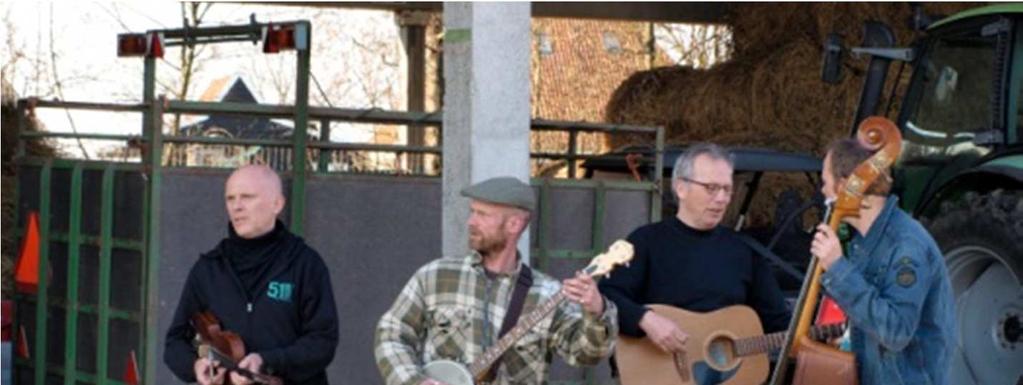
(712, 188)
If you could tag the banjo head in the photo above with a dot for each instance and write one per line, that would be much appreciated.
(448, 372)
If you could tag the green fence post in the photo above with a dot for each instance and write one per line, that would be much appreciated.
(15, 324)
(599, 198)
(570, 161)
(74, 244)
(543, 222)
(303, 30)
(22, 126)
(44, 265)
(106, 238)
(324, 154)
(153, 130)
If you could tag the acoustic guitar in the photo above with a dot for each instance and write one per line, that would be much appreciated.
(454, 373)
(726, 346)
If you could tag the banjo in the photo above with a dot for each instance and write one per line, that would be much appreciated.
(454, 373)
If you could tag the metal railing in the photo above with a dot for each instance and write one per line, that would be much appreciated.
(219, 150)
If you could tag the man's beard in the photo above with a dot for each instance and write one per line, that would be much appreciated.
(487, 245)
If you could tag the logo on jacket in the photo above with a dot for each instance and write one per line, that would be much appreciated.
(280, 291)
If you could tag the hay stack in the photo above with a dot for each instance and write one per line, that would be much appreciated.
(778, 101)
(770, 93)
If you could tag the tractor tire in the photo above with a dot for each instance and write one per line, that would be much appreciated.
(981, 236)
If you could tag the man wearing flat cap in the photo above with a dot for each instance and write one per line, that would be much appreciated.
(455, 308)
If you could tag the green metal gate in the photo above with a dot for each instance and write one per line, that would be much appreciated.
(87, 315)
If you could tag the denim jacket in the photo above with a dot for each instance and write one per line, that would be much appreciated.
(894, 288)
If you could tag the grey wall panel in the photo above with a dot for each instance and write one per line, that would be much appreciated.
(374, 233)
(625, 211)
(571, 218)
(192, 221)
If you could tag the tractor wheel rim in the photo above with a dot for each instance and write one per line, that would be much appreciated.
(989, 310)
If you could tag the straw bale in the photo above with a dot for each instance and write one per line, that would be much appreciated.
(778, 102)
(770, 93)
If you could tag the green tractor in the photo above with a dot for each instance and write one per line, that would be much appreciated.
(961, 170)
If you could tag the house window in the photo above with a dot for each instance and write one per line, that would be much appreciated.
(611, 43)
(544, 44)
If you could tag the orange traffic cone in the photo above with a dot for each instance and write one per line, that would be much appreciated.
(22, 344)
(26, 271)
(131, 371)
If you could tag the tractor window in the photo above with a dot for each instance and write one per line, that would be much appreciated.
(1019, 110)
(950, 97)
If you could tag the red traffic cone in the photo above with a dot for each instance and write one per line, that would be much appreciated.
(26, 271)
(131, 370)
(22, 349)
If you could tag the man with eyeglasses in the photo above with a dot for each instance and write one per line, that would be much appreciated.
(692, 262)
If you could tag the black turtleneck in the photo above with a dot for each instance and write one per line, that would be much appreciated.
(251, 259)
(696, 270)
(275, 292)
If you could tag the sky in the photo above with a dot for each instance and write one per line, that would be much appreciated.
(75, 42)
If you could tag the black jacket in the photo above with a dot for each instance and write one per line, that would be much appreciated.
(289, 318)
(696, 270)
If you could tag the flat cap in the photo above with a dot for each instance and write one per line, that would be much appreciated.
(504, 190)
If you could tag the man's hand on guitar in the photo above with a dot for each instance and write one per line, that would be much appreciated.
(663, 332)
(583, 290)
(253, 362)
(206, 373)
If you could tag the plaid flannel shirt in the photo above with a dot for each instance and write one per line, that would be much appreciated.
(439, 314)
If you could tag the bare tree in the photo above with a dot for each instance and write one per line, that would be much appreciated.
(694, 45)
(59, 88)
(192, 14)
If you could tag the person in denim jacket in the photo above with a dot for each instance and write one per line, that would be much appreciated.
(892, 283)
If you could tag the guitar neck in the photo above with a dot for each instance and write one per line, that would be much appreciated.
(481, 364)
(766, 343)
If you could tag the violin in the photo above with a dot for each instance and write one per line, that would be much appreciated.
(225, 348)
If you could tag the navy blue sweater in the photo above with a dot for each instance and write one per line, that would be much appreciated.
(282, 306)
(701, 271)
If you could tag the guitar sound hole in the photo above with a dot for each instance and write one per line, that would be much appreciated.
(721, 353)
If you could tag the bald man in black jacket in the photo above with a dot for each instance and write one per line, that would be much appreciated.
(265, 284)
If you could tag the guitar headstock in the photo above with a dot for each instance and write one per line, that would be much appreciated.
(619, 253)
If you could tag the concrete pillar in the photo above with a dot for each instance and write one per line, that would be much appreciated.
(486, 106)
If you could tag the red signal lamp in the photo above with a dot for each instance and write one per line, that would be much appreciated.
(278, 37)
(131, 44)
(140, 44)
